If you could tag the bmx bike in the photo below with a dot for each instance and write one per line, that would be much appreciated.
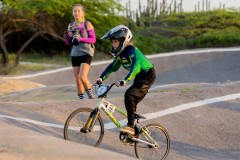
(86, 126)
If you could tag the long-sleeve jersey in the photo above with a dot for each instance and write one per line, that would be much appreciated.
(131, 59)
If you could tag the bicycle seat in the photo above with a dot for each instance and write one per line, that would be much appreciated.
(138, 116)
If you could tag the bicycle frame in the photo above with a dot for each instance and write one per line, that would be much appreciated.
(105, 105)
(92, 121)
(109, 108)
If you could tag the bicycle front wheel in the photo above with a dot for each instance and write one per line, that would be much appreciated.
(154, 134)
(76, 121)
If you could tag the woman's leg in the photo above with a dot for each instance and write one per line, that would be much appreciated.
(76, 62)
(80, 87)
(83, 74)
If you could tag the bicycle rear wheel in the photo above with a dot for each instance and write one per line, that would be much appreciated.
(76, 121)
(160, 136)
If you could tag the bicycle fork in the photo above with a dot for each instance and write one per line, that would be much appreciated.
(91, 121)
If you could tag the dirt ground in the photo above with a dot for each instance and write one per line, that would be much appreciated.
(10, 86)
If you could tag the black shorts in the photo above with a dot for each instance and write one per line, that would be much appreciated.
(77, 61)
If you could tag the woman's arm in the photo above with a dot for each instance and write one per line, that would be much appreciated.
(91, 37)
(69, 35)
(68, 40)
(91, 34)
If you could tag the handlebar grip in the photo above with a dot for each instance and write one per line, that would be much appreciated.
(98, 82)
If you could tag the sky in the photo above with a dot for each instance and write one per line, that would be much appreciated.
(189, 5)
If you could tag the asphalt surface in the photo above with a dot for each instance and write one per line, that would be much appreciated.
(212, 67)
(195, 97)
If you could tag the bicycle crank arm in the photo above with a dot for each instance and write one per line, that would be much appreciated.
(155, 145)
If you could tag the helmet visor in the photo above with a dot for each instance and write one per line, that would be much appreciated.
(116, 33)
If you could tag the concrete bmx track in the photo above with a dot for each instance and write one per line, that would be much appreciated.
(196, 97)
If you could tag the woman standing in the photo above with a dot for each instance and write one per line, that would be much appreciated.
(81, 36)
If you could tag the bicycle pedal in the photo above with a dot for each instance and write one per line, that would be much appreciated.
(125, 138)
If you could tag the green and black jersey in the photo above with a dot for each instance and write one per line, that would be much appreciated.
(131, 59)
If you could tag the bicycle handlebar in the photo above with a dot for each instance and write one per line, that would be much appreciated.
(109, 86)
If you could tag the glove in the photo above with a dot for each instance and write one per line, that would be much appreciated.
(122, 82)
(98, 81)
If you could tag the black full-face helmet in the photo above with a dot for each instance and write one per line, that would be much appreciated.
(120, 33)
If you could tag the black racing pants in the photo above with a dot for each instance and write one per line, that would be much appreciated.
(142, 83)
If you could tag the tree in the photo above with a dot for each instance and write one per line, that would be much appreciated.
(35, 17)
(48, 17)
(7, 27)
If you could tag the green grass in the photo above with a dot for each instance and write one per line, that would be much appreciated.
(26, 69)
(219, 28)
(59, 59)
(37, 63)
